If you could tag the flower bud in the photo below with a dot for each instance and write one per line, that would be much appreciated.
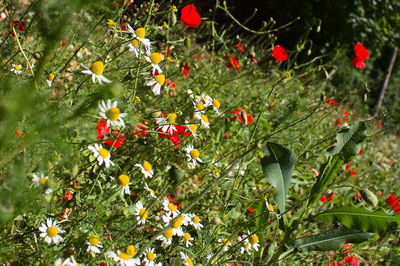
(369, 197)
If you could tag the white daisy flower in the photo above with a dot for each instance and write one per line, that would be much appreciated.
(187, 238)
(156, 82)
(166, 237)
(155, 59)
(170, 208)
(177, 227)
(152, 194)
(192, 128)
(250, 241)
(139, 34)
(146, 169)
(193, 155)
(96, 70)
(134, 47)
(141, 212)
(123, 182)
(269, 206)
(93, 244)
(195, 221)
(209, 256)
(167, 123)
(149, 257)
(42, 181)
(49, 80)
(185, 219)
(67, 262)
(16, 69)
(187, 261)
(204, 120)
(122, 258)
(131, 250)
(216, 104)
(112, 113)
(102, 155)
(225, 242)
(51, 232)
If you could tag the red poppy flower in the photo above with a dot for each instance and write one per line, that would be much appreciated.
(185, 70)
(361, 151)
(173, 85)
(328, 100)
(240, 47)
(190, 17)
(232, 62)
(240, 114)
(346, 248)
(251, 209)
(323, 199)
(331, 196)
(358, 195)
(358, 63)
(360, 51)
(141, 130)
(68, 196)
(347, 167)
(392, 200)
(379, 123)
(20, 25)
(226, 135)
(333, 103)
(102, 129)
(118, 142)
(352, 260)
(353, 173)
(279, 53)
(345, 112)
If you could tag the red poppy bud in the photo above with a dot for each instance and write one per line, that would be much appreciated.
(279, 53)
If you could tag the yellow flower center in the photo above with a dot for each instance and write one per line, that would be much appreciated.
(259, 186)
(189, 262)
(182, 217)
(124, 256)
(140, 32)
(143, 213)
(135, 43)
(147, 166)
(270, 208)
(131, 250)
(246, 245)
(43, 181)
(226, 242)
(216, 103)
(150, 256)
(196, 219)
(52, 231)
(123, 180)
(155, 58)
(194, 154)
(199, 106)
(204, 118)
(97, 68)
(168, 234)
(94, 240)
(103, 153)
(177, 224)
(193, 127)
(113, 113)
(187, 237)
(17, 67)
(160, 79)
(51, 76)
(172, 207)
(171, 118)
(253, 239)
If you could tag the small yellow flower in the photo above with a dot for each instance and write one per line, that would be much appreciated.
(111, 23)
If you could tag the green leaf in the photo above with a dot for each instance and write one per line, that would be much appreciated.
(277, 165)
(360, 218)
(328, 172)
(330, 240)
(349, 141)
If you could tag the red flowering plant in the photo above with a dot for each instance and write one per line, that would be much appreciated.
(242, 116)
(190, 17)
(279, 53)
(103, 132)
(361, 55)
(231, 61)
(168, 129)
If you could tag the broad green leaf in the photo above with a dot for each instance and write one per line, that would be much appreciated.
(349, 141)
(360, 218)
(330, 240)
(328, 172)
(277, 165)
